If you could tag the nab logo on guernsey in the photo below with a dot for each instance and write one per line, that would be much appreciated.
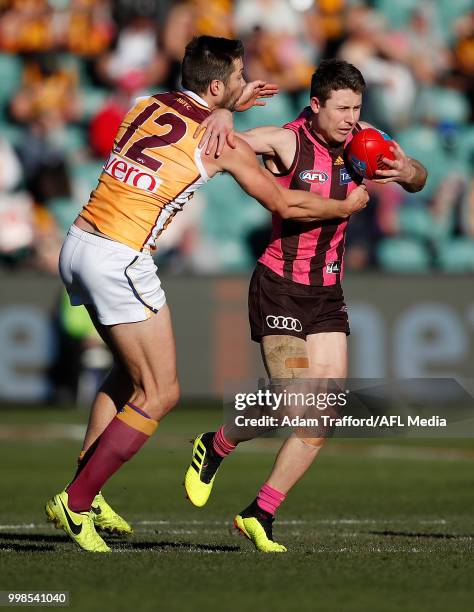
(344, 177)
(128, 173)
(314, 176)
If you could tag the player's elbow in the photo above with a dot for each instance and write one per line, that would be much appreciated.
(282, 208)
(275, 205)
(284, 211)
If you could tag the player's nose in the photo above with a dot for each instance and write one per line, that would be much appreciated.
(350, 118)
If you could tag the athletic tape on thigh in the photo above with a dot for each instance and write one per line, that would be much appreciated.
(296, 362)
(285, 353)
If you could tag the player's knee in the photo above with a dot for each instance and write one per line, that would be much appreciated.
(170, 398)
(329, 370)
(162, 401)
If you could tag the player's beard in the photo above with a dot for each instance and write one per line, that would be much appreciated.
(231, 101)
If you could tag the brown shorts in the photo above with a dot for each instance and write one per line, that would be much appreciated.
(278, 306)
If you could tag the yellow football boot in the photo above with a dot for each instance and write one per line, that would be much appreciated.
(199, 478)
(106, 519)
(79, 526)
(256, 525)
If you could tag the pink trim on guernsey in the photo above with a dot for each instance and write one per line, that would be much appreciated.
(269, 499)
(276, 261)
(221, 445)
(331, 254)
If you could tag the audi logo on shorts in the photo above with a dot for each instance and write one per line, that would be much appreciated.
(287, 323)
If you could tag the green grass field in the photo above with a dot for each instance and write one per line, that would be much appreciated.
(376, 525)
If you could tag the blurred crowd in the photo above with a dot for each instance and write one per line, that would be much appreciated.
(70, 69)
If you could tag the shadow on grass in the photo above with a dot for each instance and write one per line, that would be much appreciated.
(26, 542)
(14, 547)
(415, 534)
(33, 537)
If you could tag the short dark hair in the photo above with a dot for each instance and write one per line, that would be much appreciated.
(207, 58)
(334, 74)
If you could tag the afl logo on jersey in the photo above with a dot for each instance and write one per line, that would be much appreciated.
(314, 176)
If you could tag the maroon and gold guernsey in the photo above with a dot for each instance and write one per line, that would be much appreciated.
(153, 170)
(312, 253)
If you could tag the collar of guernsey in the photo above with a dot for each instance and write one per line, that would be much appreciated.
(194, 96)
(188, 92)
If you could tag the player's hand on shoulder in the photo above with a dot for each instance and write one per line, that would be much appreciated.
(398, 170)
(356, 200)
(217, 130)
(253, 93)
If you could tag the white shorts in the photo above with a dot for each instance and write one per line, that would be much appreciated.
(118, 281)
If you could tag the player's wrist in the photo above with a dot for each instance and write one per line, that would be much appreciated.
(225, 116)
(416, 178)
(411, 174)
(343, 208)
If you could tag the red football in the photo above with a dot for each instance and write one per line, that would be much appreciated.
(366, 151)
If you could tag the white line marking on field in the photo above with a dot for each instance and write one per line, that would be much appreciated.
(21, 526)
(342, 521)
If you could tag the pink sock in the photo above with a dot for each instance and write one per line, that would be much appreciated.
(221, 445)
(269, 499)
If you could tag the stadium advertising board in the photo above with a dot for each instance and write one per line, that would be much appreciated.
(400, 327)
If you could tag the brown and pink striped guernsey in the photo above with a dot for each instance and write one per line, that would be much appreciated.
(312, 253)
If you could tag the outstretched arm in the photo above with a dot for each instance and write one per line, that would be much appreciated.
(268, 140)
(242, 164)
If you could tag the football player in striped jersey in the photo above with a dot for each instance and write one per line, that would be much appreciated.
(296, 304)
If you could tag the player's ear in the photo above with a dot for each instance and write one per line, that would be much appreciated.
(216, 87)
(315, 105)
